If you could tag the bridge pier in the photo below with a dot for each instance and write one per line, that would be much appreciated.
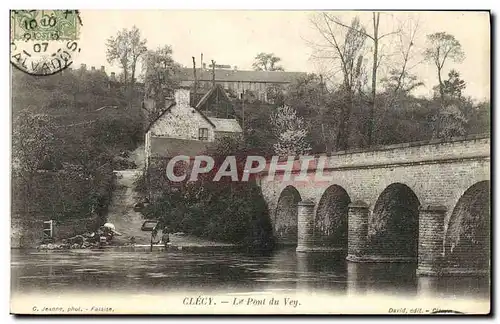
(305, 229)
(358, 246)
(358, 230)
(430, 240)
(306, 241)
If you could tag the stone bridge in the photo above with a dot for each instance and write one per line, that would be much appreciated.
(422, 202)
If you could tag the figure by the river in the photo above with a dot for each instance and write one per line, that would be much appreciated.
(157, 238)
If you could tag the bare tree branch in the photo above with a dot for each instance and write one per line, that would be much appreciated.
(350, 28)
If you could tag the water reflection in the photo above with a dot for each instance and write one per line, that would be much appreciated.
(321, 271)
(467, 286)
(284, 270)
(390, 278)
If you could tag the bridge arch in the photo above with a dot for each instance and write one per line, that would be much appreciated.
(286, 218)
(467, 239)
(331, 219)
(393, 225)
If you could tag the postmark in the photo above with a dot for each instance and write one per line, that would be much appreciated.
(44, 42)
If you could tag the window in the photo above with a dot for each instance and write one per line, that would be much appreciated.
(203, 134)
(170, 94)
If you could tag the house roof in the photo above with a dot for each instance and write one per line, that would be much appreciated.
(220, 124)
(169, 109)
(170, 147)
(186, 74)
(226, 125)
(211, 92)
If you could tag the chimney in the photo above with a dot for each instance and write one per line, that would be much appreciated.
(83, 66)
(182, 97)
(92, 68)
(204, 65)
(103, 69)
(113, 76)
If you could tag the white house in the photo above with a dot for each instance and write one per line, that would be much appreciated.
(185, 130)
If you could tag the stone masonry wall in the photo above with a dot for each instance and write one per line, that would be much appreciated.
(438, 174)
(182, 122)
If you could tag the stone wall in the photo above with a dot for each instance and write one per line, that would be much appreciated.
(181, 122)
(437, 173)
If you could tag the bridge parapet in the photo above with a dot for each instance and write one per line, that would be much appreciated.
(472, 147)
(413, 153)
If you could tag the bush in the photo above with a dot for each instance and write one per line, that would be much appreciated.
(228, 211)
(235, 214)
(140, 185)
(120, 163)
(68, 193)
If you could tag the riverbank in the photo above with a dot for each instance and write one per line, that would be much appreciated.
(178, 241)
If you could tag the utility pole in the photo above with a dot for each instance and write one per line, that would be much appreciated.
(195, 81)
(213, 73)
(201, 67)
(243, 112)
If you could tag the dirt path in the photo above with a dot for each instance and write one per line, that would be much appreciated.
(128, 222)
(138, 156)
(121, 211)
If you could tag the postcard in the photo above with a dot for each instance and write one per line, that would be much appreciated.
(250, 162)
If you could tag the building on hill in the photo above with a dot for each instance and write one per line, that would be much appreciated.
(184, 129)
(237, 81)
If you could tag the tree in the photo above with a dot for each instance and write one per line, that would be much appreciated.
(224, 210)
(70, 84)
(376, 37)
(275, 94)
(454, 85)
(159, 68)
(453, 115)
(442, 47)
(93, 85)
(309, 96)
(267, 62)
(400, 80)
(290, 131)
(453, 122)
(344, 47)
(257, 129)
(125, 49)
(33, 141)
(479, 118)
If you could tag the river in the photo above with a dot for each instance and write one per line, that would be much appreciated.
(113, 271)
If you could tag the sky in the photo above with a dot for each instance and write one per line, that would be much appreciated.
(235, 37)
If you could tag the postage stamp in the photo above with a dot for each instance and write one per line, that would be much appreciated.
(250, 162)
(44, 42)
